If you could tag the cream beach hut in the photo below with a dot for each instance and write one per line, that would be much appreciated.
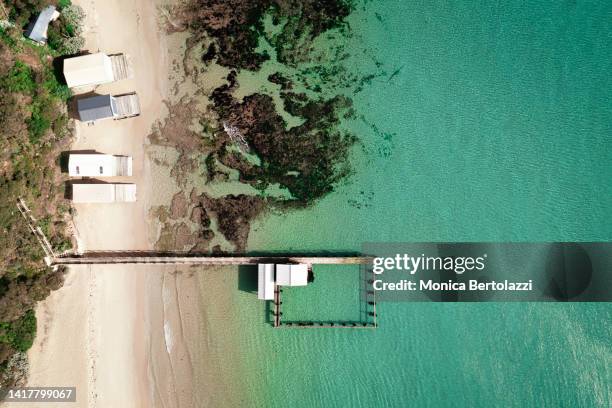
(92, 69)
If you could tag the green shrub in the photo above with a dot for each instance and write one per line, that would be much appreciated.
(54, 36)
(23, 11)
(38, 123)
(33, 124)
(73, 17)
(71, 45)
(56, 89)
(64, 35)
(19, 79)
(19, 333)
(70, 30)
(6, 38)
(62, 4)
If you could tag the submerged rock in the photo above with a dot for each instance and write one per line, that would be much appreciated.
(234, 214)
(307, 160)
(236, 26)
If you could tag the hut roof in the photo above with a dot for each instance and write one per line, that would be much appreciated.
(96, 107)
(37, 31)
(92, 69)
(292, 275)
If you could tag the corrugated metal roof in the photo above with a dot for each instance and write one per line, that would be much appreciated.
(38, 29)
(95, 108)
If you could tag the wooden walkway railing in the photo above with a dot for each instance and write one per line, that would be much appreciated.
(38, 233)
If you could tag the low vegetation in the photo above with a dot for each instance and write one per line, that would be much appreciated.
(34, 128)
(65, 33)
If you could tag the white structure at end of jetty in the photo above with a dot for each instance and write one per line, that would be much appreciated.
(265, 285)
(270, 276)
(292, 275)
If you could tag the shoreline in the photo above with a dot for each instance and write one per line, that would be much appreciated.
(139, 337)
(94, 333)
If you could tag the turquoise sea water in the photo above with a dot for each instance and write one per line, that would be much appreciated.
(492, 122)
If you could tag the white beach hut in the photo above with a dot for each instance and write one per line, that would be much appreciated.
(92, 69)
(99, 165)
(103, 193)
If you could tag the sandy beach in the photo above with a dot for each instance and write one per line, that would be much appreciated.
(94, 333)
(125, 335)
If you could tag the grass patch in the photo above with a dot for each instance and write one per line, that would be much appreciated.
(19, 79)
(62, 4)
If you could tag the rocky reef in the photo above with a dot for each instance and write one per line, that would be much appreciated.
(250, 136)
(234, 214)
(236, 25)
(307, 159)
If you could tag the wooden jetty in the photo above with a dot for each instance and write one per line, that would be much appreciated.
(151, 257)
(188, 258)
(156, 258)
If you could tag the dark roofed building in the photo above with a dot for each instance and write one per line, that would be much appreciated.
(96, 108)
(37, 31)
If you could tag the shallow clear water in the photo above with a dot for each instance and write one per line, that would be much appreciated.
(486, 121)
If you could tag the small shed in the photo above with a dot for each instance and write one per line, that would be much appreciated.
(265, 285)
(37, 30)
(92, 69)
(292, 275)
(96, 108)
(103, 193)
(99, 165)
